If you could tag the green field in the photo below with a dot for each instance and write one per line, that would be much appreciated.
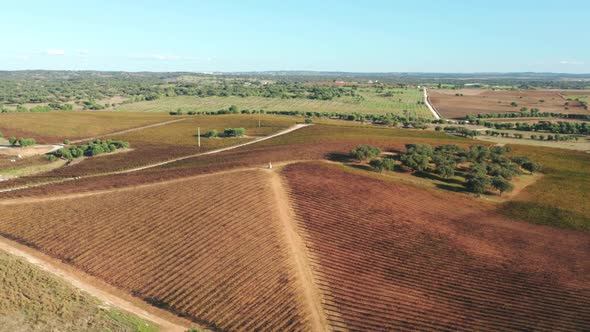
(371, 103)
(34, 300)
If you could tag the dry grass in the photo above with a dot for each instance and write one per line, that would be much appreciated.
(33, 300)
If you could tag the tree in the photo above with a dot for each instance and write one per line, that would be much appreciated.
(502, 185)
(531, 166)
(477, 184)
(24, 142)
(382, 164)
(446, 169)
(233, 109)
(365, 152)
(12, 140)
(308, 120)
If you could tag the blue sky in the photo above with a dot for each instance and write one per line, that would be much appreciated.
(249, 35)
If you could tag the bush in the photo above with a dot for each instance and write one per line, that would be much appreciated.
(24, 142)
(212, 133)
(502, 185)
(12, 140)
(234, 132)
(364, 152)
(66, 142)
(307, 121)
(51, 157)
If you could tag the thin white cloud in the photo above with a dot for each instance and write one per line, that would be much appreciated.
(163, 57)
(571, 62)
(55, 52)
(82, 52)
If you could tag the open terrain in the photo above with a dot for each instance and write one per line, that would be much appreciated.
(456, 104)
(371, 103)
(319, 242)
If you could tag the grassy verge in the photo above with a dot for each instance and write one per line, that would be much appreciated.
(34, 300)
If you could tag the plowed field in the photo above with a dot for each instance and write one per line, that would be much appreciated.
(486, 101)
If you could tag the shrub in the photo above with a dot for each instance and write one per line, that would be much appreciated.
(51, 157)
(234, 132)
(364, 152)
(308, 120)
(212, 133)
(24, 142)
(12, 140)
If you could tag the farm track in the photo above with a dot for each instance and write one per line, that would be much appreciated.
(430, 106)
(158, 164)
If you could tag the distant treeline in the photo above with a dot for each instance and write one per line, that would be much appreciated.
(533, 113)
(560, 127)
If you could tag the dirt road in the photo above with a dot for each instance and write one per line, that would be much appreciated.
(430, 107)
(299, 254)
(79, 280)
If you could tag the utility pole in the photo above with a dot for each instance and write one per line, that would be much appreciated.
(199, 135)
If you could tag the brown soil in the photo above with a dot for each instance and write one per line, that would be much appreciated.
(487, 101)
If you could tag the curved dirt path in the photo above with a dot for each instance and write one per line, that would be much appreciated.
(83, 282)
(430, 107)
(280, 133)
(294, 242)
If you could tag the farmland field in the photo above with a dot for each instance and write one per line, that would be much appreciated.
(371, 104)
(208, 248)
(486, 101)
(407, 259)
(34, 300)
(204, 237)
(54, 127)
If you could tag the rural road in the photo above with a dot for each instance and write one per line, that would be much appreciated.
(78, 280)
(429, 105)
(280, 133)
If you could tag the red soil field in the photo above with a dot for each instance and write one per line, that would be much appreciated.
(209, 248)
(310, 143)
(388, 256)
(487, 101)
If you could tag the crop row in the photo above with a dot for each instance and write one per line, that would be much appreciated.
(207, 248)
(392, 257)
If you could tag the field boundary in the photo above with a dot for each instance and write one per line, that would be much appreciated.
(88, 284)
(299, 254)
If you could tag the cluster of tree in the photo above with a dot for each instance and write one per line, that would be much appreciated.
(560, 127)
(91, 104)
(483, 166)
(555, 137)
(93, 148)
(533, 113)
(22, 142)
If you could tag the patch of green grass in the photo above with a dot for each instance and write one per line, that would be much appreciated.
(34, 300)
(371, 103)
(559, 198)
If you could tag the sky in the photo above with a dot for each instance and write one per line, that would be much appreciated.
(320, 35)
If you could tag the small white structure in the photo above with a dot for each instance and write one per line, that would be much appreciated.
(269, 165)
